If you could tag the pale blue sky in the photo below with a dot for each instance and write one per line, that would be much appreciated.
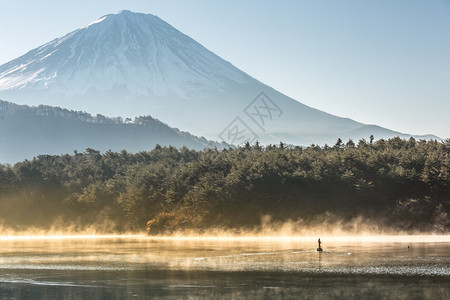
(384, 62)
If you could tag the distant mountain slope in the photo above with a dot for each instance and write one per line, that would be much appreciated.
(133, 64)
(383, 133)
(26, 132)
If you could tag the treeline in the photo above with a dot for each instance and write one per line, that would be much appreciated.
(50, 111)
(26, 132)
(401, 184)
(58, 112)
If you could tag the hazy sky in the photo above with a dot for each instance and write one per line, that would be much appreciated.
(379, 62)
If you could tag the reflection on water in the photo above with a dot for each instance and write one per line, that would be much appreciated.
(111, 267)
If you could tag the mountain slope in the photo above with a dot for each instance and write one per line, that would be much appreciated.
(383, 133)
(133, 64)
(26, 132)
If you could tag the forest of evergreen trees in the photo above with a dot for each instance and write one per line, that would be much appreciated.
(395, 183)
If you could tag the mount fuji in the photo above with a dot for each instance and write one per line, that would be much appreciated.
(132, 64)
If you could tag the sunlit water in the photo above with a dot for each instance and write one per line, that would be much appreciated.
(133, 267)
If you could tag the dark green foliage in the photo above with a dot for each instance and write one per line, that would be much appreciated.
(404, 184)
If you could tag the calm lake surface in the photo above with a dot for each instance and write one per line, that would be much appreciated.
(140, 267)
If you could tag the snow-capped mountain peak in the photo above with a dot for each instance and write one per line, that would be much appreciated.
(139, 53)
(131, 64)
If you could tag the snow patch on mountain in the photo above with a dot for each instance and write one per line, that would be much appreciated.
(95, 22)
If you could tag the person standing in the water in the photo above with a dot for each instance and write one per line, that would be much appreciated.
(320, 245)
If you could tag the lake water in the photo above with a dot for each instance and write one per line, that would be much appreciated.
(141, 267)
